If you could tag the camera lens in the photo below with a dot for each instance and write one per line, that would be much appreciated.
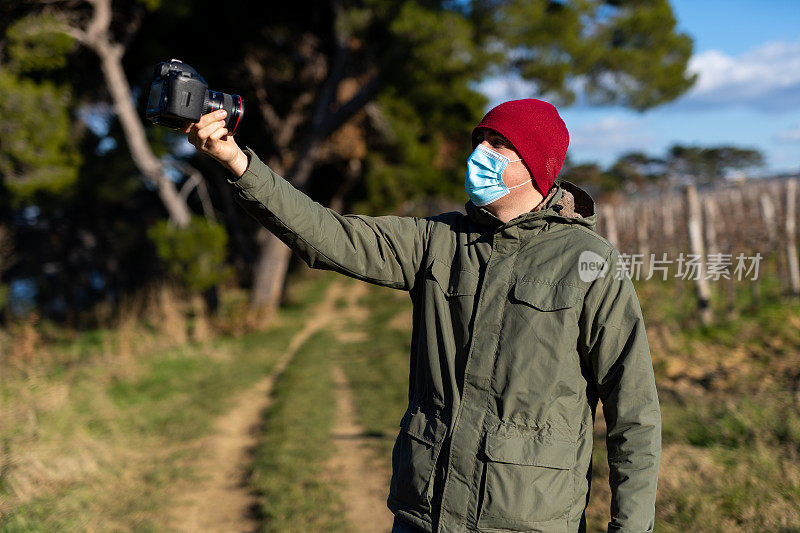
(233, 104)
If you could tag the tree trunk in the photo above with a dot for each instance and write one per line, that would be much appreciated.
(270, 268)
(269, 272)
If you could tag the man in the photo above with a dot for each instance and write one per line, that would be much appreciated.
(521, 323)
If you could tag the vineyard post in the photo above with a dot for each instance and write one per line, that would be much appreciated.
(610, 225)
(695, 227)
(791, 235)
(769, 216)
(642, 222)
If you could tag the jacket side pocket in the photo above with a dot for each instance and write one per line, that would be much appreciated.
(414, 457)
(529, 486)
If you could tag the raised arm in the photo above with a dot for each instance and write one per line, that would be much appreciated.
(383, 250)
(614, 345)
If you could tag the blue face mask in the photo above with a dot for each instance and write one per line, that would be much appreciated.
(484, 181)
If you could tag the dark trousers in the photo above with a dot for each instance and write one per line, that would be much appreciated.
(400, 526)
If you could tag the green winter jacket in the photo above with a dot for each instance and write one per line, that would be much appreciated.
(511, 350)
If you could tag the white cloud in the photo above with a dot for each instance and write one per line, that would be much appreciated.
(612, 134)
(499, 89)
(766, 78)
(792, 135)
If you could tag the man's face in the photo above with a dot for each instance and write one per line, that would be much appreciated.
(515, 173)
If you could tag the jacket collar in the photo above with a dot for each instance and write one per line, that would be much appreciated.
(565, 203)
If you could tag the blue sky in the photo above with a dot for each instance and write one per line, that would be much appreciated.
(747, 55)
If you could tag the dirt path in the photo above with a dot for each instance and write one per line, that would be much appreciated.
(222, 500)
(364, 482)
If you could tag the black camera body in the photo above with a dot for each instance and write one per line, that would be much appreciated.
(179, 96)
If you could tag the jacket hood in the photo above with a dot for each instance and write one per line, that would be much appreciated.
(566, 203)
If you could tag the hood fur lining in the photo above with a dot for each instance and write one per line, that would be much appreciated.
(565, 205)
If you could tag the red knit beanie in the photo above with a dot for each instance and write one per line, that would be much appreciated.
(537, 133)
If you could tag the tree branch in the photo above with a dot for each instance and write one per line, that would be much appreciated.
(293, 119)
(334, 120)
(196, 182)
(378, 121)
(328, 92)
(189, 185)
(268, 112)
(340, 57)
(97, 38)
(307, 154)
(132, 26)
(97, 30)
(77, 34)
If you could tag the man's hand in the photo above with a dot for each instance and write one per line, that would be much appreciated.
(210, 137)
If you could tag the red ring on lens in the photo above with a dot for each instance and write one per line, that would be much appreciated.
(239, 114)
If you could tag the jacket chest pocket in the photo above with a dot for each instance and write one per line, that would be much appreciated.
(545, 296)
(414, 457)
(542, 319)
(453, 282)
(458, 288)
(528, 484)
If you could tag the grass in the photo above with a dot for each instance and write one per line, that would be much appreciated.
(94, 441)
(295, 491)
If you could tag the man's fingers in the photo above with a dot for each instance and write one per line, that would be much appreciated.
(208, 118)
(217, 135)
(206, 132)
(205, 120)
(202, 130)
(210, 128)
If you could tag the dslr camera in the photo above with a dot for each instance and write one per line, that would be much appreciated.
(179, 96)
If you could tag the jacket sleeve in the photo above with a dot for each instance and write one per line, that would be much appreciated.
(384, 250)
(614, 345)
